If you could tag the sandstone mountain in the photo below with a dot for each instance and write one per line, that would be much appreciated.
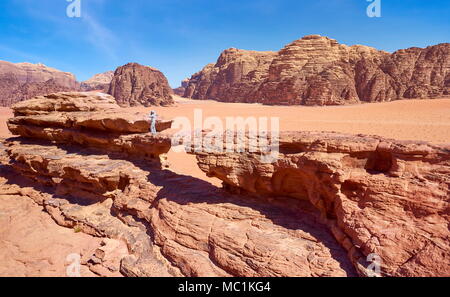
(235, 76)
(317, 70)
(134, 85)
(23, 81)
(99, 82)
(378, 196)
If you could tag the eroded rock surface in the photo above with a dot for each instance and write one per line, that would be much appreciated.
(321, 208)
(23, 81)
(234, 78)
(171, 224)
(317, 70)
(181, 89)
(137, 85)
(33, 245)
(197, 229)
(99, 82)
(381, 196)
(83, 118)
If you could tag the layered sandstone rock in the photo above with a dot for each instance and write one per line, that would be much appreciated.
(181, 89)
(197, 229)
(23, 81)
(323, 207)
(99, 82)
(317, 70)
(235, 76)
(378, 196)
(172, 224)
(76, 190)
(91, 119)
(137, 85)
(65, 102)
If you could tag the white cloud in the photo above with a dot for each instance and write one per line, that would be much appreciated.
(100, 36)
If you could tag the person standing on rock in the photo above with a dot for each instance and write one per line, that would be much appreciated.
(153, 117)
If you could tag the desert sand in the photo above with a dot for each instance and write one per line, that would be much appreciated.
(426, 120)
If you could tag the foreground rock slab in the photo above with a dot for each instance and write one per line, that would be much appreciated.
(326, 205)
(196, 229)
(33, 245)
(379, 196)
(137, 85)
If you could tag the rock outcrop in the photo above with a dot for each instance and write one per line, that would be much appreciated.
(234, 78)
(138, 85)
(326, 206)
(90, 119)
(99, 82)
(33, 245)
(181, 89)
(317, 70)
(172, 224)
(131, 85)
(378, 196)
(23, 81)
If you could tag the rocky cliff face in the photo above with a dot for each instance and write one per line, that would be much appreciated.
(234, 78)
(377, 196)
(317, 70)
(23, 81)
(134, 85)
(99, 82)
(181, 89)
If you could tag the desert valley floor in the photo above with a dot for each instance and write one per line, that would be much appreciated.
(425, 120)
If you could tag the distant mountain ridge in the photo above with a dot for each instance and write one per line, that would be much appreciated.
(317, 70)
(22, 81)
(134, 84)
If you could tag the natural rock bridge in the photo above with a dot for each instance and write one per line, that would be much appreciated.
(328, 202)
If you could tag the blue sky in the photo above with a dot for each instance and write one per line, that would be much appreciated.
(180, 37)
